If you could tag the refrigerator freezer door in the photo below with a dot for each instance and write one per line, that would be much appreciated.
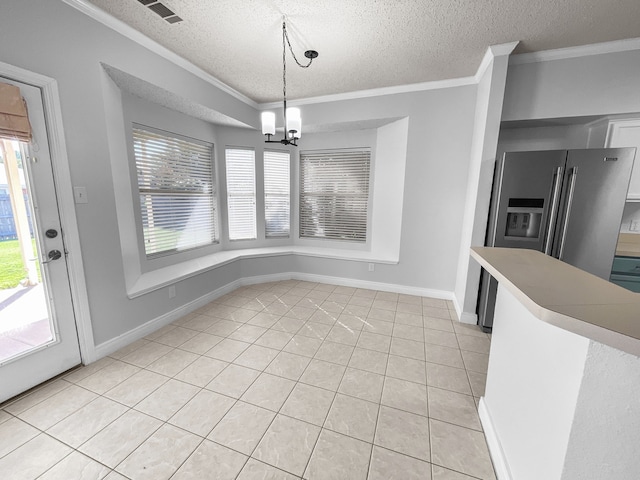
(527, 182)
(594, 191)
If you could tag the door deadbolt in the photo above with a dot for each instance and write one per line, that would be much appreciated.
(53, 255)
(51, 233)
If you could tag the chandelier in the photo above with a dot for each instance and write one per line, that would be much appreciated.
(292, 120)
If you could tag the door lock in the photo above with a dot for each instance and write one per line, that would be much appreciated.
(51, 233)
(53, 255)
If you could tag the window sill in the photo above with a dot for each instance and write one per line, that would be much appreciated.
(162, 277)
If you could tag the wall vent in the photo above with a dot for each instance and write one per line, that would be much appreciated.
(162, 10)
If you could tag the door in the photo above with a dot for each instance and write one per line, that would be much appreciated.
(594, 193)
(57, 349)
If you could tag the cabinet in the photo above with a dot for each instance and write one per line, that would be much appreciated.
(626, 133)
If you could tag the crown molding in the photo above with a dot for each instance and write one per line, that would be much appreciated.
(492, 52)
(615, 46)
(122, 28)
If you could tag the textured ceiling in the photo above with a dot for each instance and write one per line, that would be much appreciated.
(366, 44)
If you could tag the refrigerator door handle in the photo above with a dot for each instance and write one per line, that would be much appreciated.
(567, 212)
(555, 199)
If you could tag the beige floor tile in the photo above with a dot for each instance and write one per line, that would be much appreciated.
(112, 445)
(14, 433)
(173, 362)
(160, 455)
(211, 461)
(274, 339)
(4, 416)
(438, 324)
(76, 466)
(353, 417)
(390, 465)
(323, 374)
(202, 371)
(233, 381)
(478, 382)
(201, 343)
(365, 293)
(444, 356)
(341, 334)
(256, 357)
(223, 328)
(440, 337)
(449, 378)
(176, 337)
(373, 341)
(403, 432)
(325, 317)
(147, 354)
(199, 323)
(361, 301)
(405, 395)
(264, 319)
(409, 308)
(168, 399)
(50, 411)
(277, 308)
(460, 449)
(108, 377)
(39, 394)
(303, 345)
(408, 332)
(434, 302)
(408, 348)
(255, 470)
(288, 365)
(227, 350)
(382, 314)
(268, 391)
(308, 403)
(85, 371)
(334, 353)
(435, 312)
(242, 427)
(289, 325)
(337, 456)
(243, 314)
(202, 412)
(474, 344)
(300, 313)
(350, 321)
(465, 329)
(388, 296)
(406, 318)
(476, 362)
(315, 330)
(379, 327)
(406, 369)
(358, 311)
(113, 475)
(136, 387)
(454, 408)
(411, 299)
(132, 347)
(369, 360)
(384, 305)
(248, 333)
(80, 426)
(362, 384)
(33, 458)
(440, 473)
(287, 444)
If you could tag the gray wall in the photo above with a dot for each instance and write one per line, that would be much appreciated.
(55, 40)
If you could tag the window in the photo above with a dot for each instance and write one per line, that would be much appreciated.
(334, 194)
(277, 186)
(241, 193)
(177, 188)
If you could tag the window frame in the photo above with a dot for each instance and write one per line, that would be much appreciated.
(213, 194)
(228, 195)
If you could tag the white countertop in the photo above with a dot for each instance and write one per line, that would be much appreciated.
(565, 296)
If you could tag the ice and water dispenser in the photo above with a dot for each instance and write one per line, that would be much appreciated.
(524, 218)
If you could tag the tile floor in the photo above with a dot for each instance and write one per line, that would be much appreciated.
(274, 381)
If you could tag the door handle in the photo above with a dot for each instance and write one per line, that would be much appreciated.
(567, 211)
(555, 198)
(53, 255)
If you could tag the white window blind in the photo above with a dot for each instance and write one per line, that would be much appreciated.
(334, 194)
(177, 190)
(241, 193)
(277, 187)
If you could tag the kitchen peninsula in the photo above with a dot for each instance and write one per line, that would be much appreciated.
(562, 398)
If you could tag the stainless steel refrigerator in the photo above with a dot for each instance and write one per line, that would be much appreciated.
(565, 203)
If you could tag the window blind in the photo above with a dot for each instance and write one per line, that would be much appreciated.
(241, 193)
(277, 187)
(334, 194)
(177, 190)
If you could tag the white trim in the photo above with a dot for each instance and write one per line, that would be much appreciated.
(492, 52)
(132, 34)
(500, 464)
(66, 205)
(110, 346)
(575, 52)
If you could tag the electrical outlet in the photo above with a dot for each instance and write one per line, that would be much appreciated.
(372, 267)
(635, 226)
(172, 291)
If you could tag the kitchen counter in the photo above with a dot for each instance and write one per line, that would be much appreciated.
(628, 245)
(567, 297)
(563, 378)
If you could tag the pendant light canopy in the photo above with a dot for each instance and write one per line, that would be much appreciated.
(292, 119)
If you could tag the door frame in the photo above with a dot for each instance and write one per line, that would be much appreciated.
(66, 204)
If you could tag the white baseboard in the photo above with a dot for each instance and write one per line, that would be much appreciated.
(468, 318)
(493, 442)
(151, 326)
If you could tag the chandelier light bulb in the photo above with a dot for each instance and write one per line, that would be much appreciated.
(268, 123)
(294, 122)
